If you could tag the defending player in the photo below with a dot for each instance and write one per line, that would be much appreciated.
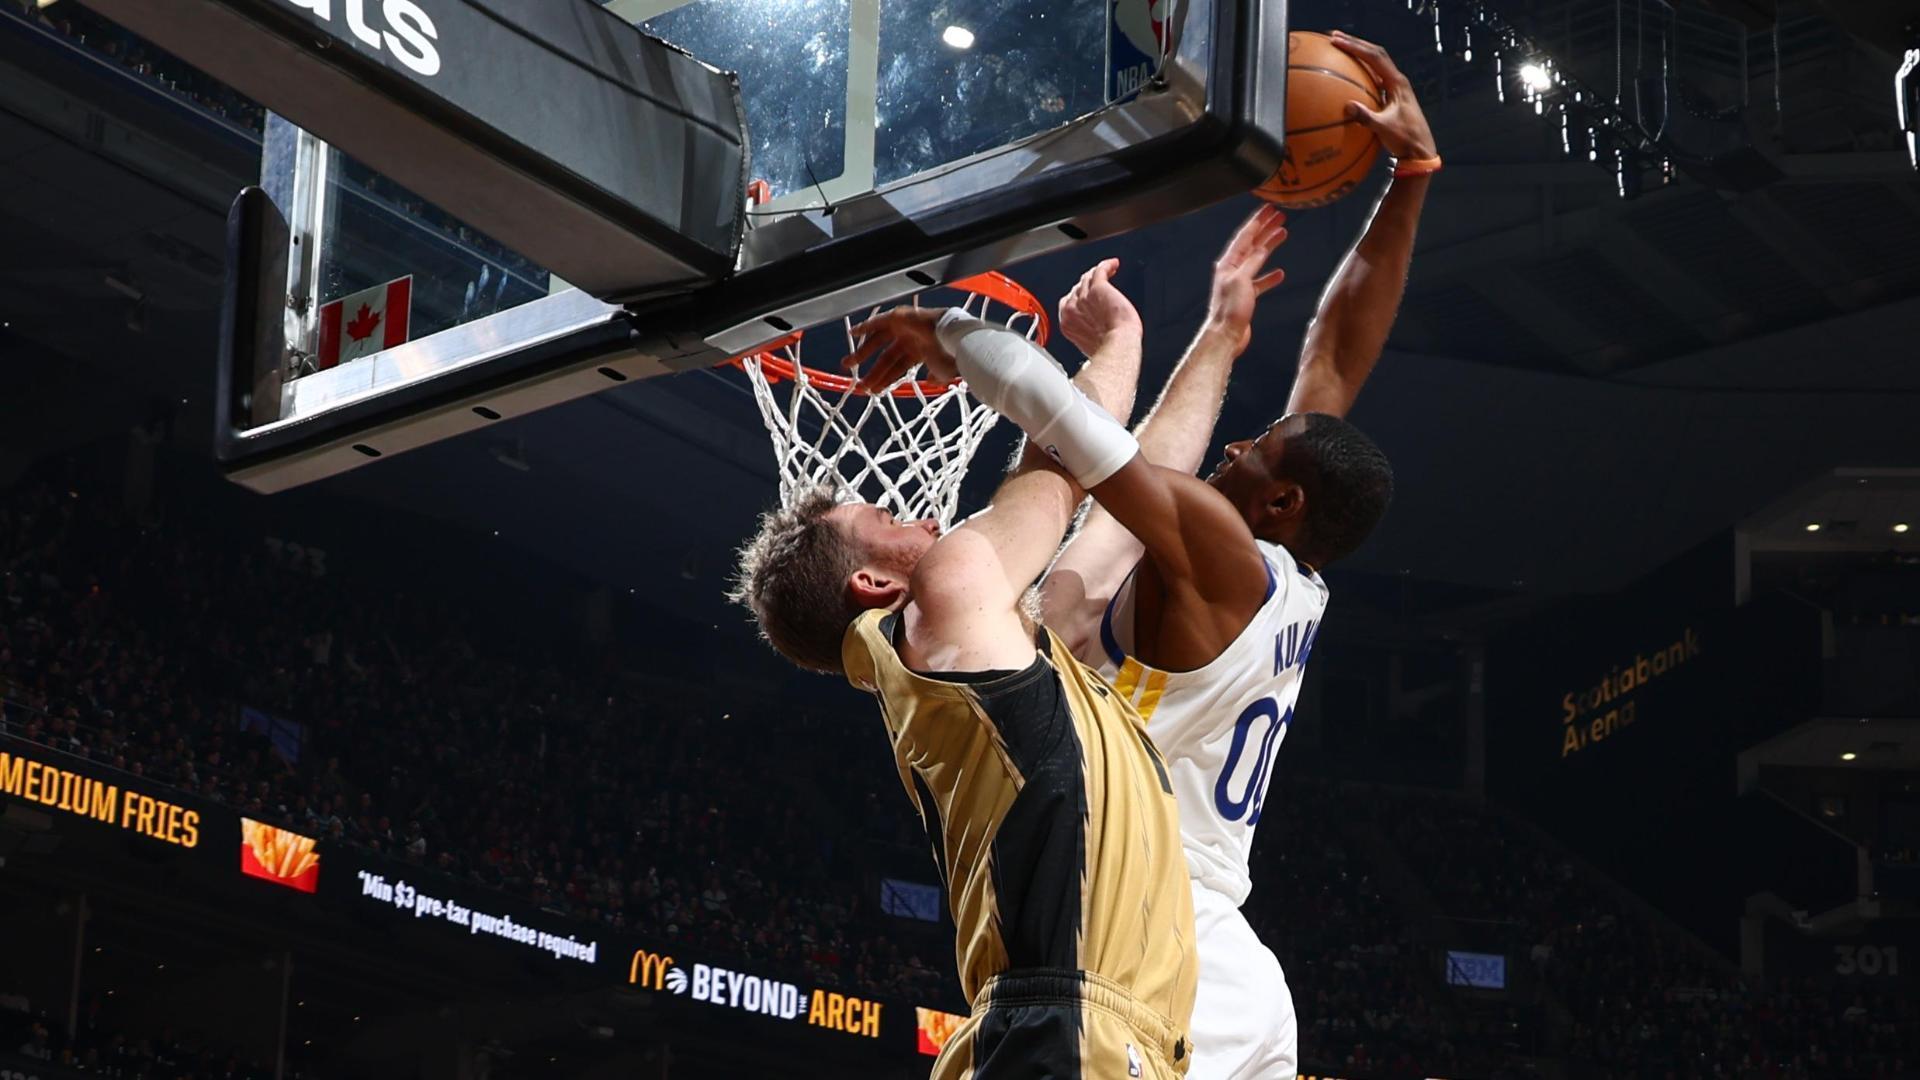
(1216, 675)
(1051, 815)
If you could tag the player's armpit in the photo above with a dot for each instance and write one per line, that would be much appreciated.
(1085, 577)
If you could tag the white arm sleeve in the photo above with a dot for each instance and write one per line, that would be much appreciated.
(1022, 382)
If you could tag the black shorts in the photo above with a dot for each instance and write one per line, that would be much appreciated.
(1061, 1025)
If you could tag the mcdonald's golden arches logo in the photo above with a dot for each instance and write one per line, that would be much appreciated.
(649, 969)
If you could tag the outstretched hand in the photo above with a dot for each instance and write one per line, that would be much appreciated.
(895, 343)
(1095, 311)
(1400, 124)
(1238, 283)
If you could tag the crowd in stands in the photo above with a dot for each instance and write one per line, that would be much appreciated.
(136, 644)
(28, 1035)
(1642, 1000)
(154, 66)
(754, 832)
(1363, 987)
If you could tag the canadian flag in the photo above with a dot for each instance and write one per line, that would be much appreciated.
(365, 323)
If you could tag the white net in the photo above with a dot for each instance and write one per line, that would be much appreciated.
(906, 448)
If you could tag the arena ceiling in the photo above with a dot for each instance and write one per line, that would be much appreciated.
(1579, 386)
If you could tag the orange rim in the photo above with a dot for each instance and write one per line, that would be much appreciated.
(993, 285)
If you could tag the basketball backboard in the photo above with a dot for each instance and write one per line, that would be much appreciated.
(900, 144)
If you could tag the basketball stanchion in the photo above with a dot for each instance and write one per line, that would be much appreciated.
(906, 447)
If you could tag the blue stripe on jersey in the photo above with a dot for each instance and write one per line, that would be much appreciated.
(1107, 640)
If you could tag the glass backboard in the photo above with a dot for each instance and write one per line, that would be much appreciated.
(844, 96)
(900, 143)
(840, 96)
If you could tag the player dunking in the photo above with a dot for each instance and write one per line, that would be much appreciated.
(1051, 815)
(1215, 672)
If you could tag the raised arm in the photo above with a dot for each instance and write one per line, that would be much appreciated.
(1357, 309)
(1100, 321)
(972, 577)
(966, 611)
(1350, 328)
(1175, 434)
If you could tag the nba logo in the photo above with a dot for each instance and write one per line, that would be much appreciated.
(1136, 41)
(1133, 1061)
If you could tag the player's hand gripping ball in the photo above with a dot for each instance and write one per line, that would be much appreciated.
(1346, 99)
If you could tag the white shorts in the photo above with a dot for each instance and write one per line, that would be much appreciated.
(1243, 1023)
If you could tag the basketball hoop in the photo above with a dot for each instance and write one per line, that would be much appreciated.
(906, 447)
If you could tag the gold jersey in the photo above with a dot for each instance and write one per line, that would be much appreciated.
(1055, 830)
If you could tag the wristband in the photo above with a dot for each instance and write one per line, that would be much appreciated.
(1425, 166)
(1022, 382)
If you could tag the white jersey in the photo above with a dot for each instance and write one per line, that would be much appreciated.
(1220, 727)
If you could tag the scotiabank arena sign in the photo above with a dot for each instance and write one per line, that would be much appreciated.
(745, 992)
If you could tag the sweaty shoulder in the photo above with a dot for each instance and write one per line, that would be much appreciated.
(952, 571)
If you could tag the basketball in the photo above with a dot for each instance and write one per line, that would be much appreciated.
(1327, 154)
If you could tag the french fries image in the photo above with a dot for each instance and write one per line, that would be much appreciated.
(936, 1028)
(277, 855)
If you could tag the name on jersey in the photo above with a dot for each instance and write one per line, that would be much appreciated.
(1598, 712)
(1292, 646)
(406, 29)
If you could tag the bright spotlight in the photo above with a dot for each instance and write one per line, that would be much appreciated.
(1535, 77)
(1813, 526)
(957, 36)
(1848, 756)
(1900, 526)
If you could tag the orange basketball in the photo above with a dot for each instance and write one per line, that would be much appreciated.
(1327, 155)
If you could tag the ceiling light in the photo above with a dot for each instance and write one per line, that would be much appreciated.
(1813, 526)
(957, 36)
(1535, 77)
(1848, 756)
(1899, 526)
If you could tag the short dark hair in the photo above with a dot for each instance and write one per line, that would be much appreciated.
(1348, 484)
(793, 574)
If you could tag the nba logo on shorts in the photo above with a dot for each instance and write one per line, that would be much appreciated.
(1133, 1061)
